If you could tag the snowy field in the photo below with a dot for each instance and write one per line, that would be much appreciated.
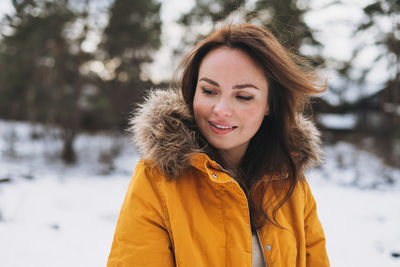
(57, 215)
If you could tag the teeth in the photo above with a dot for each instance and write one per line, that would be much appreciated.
(221, 127)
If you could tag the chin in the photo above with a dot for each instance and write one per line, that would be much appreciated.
(220, 146)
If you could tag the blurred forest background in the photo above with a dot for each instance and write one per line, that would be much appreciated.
(71, 71)
(81, 65)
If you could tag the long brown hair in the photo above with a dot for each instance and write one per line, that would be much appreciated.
(267, 159)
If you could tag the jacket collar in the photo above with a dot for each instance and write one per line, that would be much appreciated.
(164, 132)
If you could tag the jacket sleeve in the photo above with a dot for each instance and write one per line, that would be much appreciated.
(141, 238)
(316, 254)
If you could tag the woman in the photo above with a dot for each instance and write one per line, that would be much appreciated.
(221, 180)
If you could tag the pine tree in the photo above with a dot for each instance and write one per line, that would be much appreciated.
(40, 77)
(130, 39)
(285, 18)
(387, 39)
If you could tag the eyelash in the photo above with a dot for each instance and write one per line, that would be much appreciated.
(207, 92)
(244, 98)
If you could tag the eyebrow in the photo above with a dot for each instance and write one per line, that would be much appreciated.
(238, 86)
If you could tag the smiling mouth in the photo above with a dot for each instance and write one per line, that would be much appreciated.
(222, 127)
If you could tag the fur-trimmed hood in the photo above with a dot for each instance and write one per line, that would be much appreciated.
(164, 132)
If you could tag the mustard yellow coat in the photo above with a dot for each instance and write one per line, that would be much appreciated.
(201, 216)
(202, 219)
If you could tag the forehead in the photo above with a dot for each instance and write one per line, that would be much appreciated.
(233, 63)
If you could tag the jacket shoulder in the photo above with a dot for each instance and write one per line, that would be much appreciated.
(146, 177)
(142, 220)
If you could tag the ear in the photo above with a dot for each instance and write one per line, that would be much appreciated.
(266, 111)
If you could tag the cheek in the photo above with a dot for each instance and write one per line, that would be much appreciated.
(255, 110)
(253, 117)
(199, 107)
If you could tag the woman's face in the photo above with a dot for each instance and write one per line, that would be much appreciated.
(231, 100)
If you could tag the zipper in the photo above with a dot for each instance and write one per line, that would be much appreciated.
(247, 202)
(262, 248)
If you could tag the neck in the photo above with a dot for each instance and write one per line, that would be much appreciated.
(232, 158)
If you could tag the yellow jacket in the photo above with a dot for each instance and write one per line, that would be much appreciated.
(182, 209)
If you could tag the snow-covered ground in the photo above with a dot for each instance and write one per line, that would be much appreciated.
(57, 215)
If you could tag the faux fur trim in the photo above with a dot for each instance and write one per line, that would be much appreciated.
(164, 132)
(305, 144)
(161, 129)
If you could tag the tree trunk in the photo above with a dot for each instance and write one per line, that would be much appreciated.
(68, 152)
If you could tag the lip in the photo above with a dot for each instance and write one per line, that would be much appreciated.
(216, 127)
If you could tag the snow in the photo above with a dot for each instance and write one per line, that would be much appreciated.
(53, 214)
(361, 226)
(52, 223)
(338, 121)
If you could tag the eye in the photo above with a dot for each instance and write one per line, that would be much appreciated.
(244, 98)
(208, 92)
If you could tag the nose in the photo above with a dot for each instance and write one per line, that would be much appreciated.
(223, 107)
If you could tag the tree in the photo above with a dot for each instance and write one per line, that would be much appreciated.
(283, 17)
(40, 58)
(130, 38)
(382, 21)
(387, 39)
(378, 29)
(46, 74)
